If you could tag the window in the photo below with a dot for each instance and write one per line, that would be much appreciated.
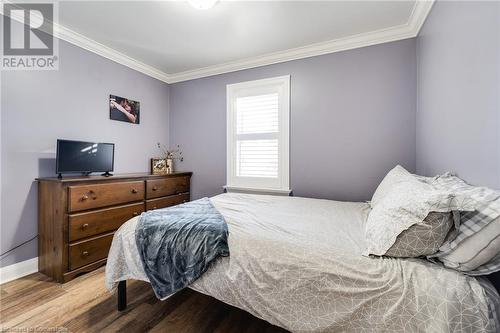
(258, 135)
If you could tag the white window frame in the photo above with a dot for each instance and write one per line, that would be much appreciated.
(281, 185)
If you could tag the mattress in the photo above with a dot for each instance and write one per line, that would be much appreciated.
(297, 263)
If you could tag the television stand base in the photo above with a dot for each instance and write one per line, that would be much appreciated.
(59, 176)
(107, 174)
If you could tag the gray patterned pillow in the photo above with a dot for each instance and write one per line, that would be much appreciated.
(472, 248)
(423, 238)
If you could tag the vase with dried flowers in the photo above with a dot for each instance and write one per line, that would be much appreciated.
(170, 154)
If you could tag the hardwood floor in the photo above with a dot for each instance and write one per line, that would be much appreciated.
(84, 305)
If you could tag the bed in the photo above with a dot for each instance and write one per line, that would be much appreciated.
(297, 263)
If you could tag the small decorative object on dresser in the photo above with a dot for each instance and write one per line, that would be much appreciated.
(78, 216)
(159, 166)
(169, 155)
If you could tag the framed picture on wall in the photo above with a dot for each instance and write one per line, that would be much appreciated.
(124, 109)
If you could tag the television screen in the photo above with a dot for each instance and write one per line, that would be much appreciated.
(86, 157)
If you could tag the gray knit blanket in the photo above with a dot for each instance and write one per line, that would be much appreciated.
(177, 244)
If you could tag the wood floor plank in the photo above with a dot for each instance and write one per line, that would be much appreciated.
(25, 283)
(186, 317)
(96, 315)
(29, 303)
(84, 305)
(13, 294)
(72, 300)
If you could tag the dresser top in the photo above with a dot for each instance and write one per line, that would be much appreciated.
(113, 177)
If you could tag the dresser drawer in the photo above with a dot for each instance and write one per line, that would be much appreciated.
(167, 201)
(82, 197)
(97, 222)
(86, 252)
(166, 186)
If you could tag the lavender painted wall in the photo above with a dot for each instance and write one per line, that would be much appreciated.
(458, 112)
(39, 107)
(352, 119)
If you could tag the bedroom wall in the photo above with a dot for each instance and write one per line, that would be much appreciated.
(458, 112)
(352, 119)
(37, 107)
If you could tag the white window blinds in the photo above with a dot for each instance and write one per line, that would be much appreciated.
(257, 114)
(257, 141)
(257, 158)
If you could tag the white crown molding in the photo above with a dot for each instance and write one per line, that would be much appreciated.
(420, 11)
(91, 45)
(16, 271)
(419, 14)
(409, 30)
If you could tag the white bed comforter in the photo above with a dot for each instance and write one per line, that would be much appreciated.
(297, 263)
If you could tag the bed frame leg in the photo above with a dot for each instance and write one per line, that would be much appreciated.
(122, 295)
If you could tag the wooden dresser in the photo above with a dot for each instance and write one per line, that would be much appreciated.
(77, 216)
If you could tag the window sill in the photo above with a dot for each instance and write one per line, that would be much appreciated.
(251, 190)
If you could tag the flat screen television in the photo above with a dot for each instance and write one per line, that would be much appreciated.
(84, 157)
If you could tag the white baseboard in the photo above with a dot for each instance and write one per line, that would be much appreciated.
(16, 271)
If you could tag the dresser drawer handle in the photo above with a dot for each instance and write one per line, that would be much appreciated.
(184, 201)
(154, 207)
(135, 213)
(134, 190)
(85, 253)
(154, 188)
(90, 194)
(84, 226)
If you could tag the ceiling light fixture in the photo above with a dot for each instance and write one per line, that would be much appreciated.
(202, 4)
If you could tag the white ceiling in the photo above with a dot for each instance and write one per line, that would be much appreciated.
(172, 41)
(174, 37)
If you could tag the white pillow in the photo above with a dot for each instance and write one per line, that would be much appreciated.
(476, 250)
(393, 177)
(407, 203)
